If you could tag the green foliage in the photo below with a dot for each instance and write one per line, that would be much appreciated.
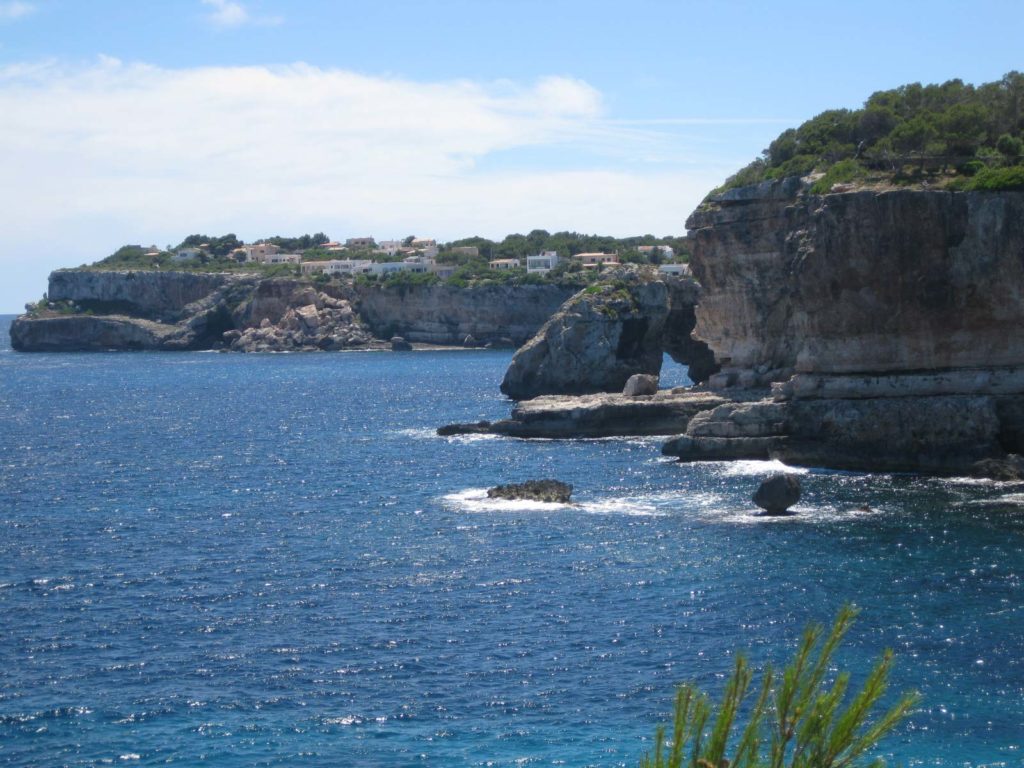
(842, 172)
(798, 719)
(215, 246)
(995, 179)
(928, 128)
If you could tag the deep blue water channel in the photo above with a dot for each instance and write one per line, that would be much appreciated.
(270, 560)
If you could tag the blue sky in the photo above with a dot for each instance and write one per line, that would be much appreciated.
(143, 122)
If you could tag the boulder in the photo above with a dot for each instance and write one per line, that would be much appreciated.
(778, 493)
(550, 491)
(398, 344)
(1009, 468)
(641, 384)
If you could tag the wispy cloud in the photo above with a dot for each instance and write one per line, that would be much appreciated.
(108, 153)
(228, 13)
(9, 11)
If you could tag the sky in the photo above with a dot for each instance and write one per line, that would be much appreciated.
(142, 122)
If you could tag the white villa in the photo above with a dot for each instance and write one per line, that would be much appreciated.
(387, 267)
(597, 260)
(501, 264)
(337, 267)
(542, 263)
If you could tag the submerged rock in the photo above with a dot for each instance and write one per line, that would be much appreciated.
(777, 494)
(551, 491)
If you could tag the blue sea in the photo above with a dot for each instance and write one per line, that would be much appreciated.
(271, 560)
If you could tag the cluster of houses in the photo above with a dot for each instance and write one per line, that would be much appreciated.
(418, 255)
(545, 261)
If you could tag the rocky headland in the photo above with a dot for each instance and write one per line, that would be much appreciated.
(166, 310)
(881, 327)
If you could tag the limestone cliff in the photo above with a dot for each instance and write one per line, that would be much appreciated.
(445, 314)
(885, 322)
(95, 310)
(862, 281)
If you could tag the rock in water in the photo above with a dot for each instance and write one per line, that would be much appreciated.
(641, 384)
(777, 494)
(551, 491)
(398, 344)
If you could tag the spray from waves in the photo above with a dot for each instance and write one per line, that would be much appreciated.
(429, 433)
(636, 505)
(756, 468)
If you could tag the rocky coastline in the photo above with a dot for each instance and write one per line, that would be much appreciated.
(864, 330)
(152, 310)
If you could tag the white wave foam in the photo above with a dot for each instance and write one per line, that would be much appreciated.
(476, 500)
(756, 467)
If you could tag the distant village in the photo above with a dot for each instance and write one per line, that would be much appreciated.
(417, 256)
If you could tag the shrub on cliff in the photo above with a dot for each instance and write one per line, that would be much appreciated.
(914, 129)
(797, 720)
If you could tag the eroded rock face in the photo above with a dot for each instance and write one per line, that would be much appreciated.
(605, 334)
(888, 282)
(885, 322)
(445, 314)
(147, 294)
(248, 312)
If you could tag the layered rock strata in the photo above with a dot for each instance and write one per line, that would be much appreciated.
(885, 323)
(499, 315)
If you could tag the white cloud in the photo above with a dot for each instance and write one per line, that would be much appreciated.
(9, 11)
(99, 155)
(227, 13)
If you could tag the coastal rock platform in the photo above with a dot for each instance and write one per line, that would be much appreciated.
(598, 415)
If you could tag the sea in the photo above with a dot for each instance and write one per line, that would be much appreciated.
(272, 560)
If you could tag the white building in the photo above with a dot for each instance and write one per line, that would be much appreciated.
(682, 270)
(542, 263)
(443, 271)
(502, 264)
(186, 254)
(337, 267)
(387, 267)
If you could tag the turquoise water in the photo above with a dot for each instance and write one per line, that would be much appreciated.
(271, 560)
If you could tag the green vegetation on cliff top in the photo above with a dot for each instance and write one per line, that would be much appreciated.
(954, 135)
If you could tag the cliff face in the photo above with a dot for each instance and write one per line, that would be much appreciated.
(863, 281)
(151, 295)
(886, 323)
(443, 314)
(96, 310)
